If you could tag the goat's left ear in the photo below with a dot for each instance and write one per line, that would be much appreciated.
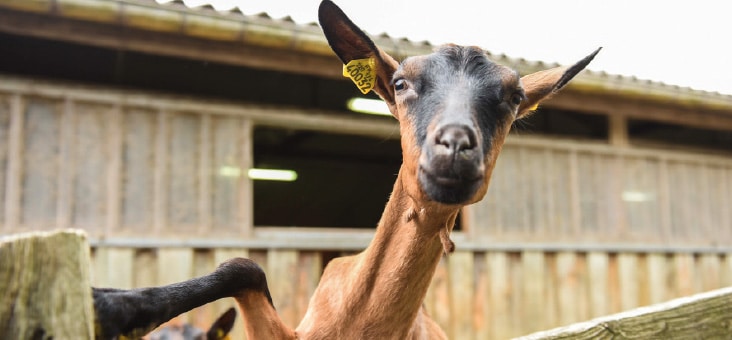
(350, 43)
(543, 84)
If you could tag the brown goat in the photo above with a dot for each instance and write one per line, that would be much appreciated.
(455, 108)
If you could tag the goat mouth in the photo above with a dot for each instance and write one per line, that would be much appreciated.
(448, 188)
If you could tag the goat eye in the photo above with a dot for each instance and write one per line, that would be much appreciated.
(516, 98)
(400, 84)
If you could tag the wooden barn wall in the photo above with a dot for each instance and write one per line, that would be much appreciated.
(569, 230)
(564, 191)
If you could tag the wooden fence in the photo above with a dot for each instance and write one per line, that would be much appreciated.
(474, 294)
(482, 307)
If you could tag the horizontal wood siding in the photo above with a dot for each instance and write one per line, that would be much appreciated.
(560, 191)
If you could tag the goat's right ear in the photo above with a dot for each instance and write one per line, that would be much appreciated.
(350, 43)
(541, 85)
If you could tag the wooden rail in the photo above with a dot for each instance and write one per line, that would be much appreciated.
(702, 316)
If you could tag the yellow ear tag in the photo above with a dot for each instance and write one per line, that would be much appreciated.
(362, 72)
(533, 108)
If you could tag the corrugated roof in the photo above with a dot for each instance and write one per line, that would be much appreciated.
(205, 22)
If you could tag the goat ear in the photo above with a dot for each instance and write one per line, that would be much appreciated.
(350, 43)
(543, 84)
(222, 326)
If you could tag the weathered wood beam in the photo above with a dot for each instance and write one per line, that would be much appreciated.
(692, 115)
(168, 44)
(701, 316)
(45, 285)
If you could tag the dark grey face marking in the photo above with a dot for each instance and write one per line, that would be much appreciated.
(457, 100)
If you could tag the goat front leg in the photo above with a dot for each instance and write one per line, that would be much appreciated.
(133, 313)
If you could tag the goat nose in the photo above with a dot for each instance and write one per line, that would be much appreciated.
(456, 138)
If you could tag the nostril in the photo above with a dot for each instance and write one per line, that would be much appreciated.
(456, 138)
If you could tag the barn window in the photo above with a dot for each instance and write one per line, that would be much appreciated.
(342, 180)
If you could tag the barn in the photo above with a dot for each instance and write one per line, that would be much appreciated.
(153, 126)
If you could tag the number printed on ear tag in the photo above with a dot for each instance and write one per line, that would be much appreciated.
(362, 72)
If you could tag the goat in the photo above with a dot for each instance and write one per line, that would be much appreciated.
(455, 108)
(219, 330)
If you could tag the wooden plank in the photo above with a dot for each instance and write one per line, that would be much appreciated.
(658, 277)
(517, 277)
(523, 192)
(684, 274)
(227, 155)
(598, 270)
(702, 316)
(205, 217)
(568, 288)
(590, 194)
(725, 201)
(574, 194)
(500, 294)
(550, 179)
(90, 167)
(283, 264)
(45, 282)
(460, 282)
(481, 298)
(709, 265)
(550, 307)
(617, 215)
(664, 200)
(726, 276)
(584, 307)
(533, 293)
(628, 279)
(139, 171)
(175, 265)
(146, 268)
(114, 267)
(309, 269)
(703, 213)
(67, 163)
(5, 108)
(161, 173)
(718, 205)
(182, 190)
(245, 199)
(560, 192)
(13, 175)
(438, 297)
(113, 169)
(40, 164)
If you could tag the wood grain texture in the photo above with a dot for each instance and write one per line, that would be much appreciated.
(702, 316)
(44, 277)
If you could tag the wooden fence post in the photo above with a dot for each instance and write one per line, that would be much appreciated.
(45, 285)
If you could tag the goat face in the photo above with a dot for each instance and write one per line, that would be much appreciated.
(454, 106)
